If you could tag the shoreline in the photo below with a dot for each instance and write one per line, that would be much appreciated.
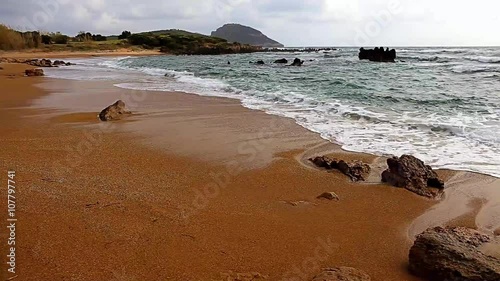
(77, 54)
(212, 122)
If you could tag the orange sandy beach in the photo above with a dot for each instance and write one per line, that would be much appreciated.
(198, 188)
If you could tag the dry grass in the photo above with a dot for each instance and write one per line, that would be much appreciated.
(10, 39)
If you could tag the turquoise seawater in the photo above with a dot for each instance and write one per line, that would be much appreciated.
(439, 104)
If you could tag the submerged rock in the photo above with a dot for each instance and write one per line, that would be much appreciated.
(114, 112)
(453, 254)
(281, 61)
(342, 274)
(356, 170)
(34, 72)
(412, 174)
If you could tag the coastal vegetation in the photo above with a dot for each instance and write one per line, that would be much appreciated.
(172, 41)
(182, 42)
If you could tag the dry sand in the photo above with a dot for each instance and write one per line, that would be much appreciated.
(188, 188)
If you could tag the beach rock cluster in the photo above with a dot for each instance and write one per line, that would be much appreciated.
(114, 112)
(412, 174)
(36, 62)
(34, 72)
(296, 62)
(453, 254)
(377, 54)
(356, 170)
(47, 63)
(342, 274)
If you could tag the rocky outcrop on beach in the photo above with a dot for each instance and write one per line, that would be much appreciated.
(342, 274)
(36, 62)
(114, 112)
(377, 54)
(34, 72)
(297, 62)
(412, 174)
(356, 170)
(281, 61)
(453, 254)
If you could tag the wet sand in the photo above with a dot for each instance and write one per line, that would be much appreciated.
(190, 188)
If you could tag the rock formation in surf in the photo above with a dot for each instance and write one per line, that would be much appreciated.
(297, 62)
(114, 112)
(412, 174)
(377, 54)
(454, 254)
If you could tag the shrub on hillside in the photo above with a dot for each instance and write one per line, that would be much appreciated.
(46, 39)
(125, 34)
(59, 38)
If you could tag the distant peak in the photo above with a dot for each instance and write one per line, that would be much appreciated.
(234, 32)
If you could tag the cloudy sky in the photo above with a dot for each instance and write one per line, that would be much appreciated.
(292, 22)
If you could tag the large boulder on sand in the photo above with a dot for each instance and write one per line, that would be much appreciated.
(34, 72)
(453, 254)
(411, 173)
(114, 111)
(342, 274)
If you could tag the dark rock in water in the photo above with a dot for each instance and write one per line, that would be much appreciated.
(260, 62)
(297, 62)
(453, 254)
(34, 72)
(114, 111)
(377, 54)
(411, 173)
(342, 274)
(356, 170)
(59, 62)
(281, 61)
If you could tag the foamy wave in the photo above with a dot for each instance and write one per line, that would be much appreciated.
(484, 59)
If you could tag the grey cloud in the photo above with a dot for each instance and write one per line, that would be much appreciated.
(293, 22)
